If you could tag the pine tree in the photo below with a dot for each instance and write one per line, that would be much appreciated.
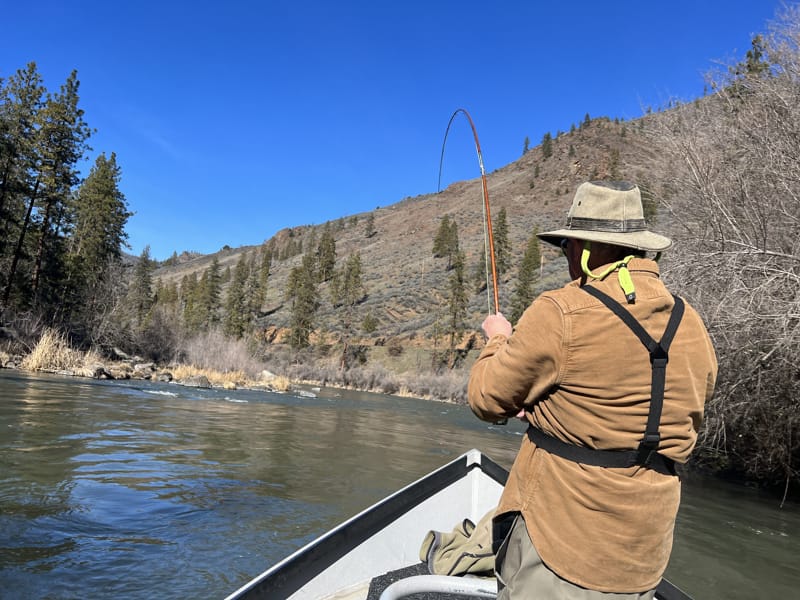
(456, 304)
(445, 244)
(140, 293)
(95, 249)
(21, 99)
(172, 260)
(304, 303)
(101, 214)
(267, 253)
(326, 254)
(190, 299)
(254, 296)
(352, 286)
(335, 288)
(62, 142)
(526, 145)
(547, 145)
(236, 310)
(370, 323)
(369, 226)
(167, 294)
(613, 165)
(754, 63)
(441, 243)
(208, 296)
(502, 246)
(527, 276)
(350, 291)
(479, 273)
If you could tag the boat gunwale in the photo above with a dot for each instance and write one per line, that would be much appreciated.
(290, 574)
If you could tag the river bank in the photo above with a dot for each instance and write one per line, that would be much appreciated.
(53, 354)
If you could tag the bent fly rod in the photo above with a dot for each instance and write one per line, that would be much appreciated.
(488, 238)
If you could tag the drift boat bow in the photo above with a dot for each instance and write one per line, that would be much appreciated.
(375, 554)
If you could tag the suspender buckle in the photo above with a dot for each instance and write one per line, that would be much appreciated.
(647, 448)
(659, 357)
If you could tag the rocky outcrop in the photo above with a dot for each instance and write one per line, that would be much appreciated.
(143, 370)
(198, 381)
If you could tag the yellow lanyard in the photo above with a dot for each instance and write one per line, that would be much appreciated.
(624, 275)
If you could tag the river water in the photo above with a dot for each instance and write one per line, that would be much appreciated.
(139, 490)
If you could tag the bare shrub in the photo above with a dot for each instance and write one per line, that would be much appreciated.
(449, 386)
(212, 350)
(732, 191)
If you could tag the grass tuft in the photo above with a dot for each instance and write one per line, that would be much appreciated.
(53, 352)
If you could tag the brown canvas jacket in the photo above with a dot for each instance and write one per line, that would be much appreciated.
(584, 377)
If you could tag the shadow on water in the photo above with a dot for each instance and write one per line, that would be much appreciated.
(134, 489)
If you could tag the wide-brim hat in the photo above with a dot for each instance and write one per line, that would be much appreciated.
(609, 212)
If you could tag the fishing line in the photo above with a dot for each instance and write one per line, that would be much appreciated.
(488, 238)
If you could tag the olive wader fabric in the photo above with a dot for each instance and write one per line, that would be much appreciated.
(520, 570)
(466, 549)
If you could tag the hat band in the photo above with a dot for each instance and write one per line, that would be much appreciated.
(609, 225)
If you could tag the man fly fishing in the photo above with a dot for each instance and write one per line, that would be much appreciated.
(611, 372)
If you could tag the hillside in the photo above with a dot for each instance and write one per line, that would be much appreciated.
(405, 284)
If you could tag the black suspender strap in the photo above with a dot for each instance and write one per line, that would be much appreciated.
(647, 452)
(615, 459)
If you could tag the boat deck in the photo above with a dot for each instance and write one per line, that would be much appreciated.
(380, 583)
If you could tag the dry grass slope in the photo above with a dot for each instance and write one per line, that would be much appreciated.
(406, 286)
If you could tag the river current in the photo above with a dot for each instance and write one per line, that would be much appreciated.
(139, 490)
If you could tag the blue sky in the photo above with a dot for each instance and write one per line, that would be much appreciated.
(232, 120)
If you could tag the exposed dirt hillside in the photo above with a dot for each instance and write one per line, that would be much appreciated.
(405, 284)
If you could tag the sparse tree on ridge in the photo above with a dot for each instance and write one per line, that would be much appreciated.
(456, 305)
(502, 245)
(304, 302)
(353, 286)
(351, 292)
(527, 276)
(479, 273)
(445, 244)
(547, 145)
(254, 295)
(326, 254)
(369, 226)
(267, 250)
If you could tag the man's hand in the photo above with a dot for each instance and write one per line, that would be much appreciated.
(496, 324)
